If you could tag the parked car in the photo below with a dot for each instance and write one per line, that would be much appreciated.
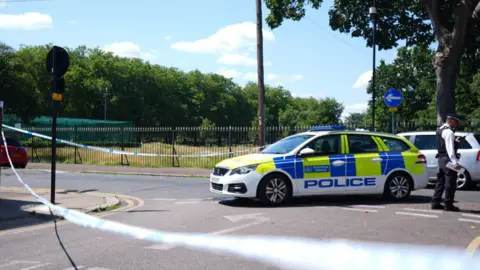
(18, 153)
(469, 150)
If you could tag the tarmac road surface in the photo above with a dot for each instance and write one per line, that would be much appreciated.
(186, 205)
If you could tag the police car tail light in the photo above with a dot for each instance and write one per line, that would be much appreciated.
(478, 156)
(421, 159)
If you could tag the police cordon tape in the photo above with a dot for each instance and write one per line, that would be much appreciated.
(120, 152)
(285, 252)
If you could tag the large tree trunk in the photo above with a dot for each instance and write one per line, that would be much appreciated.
(450, 49)
(447, 67)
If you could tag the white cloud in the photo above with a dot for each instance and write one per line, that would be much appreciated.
(354, 108)
(229, 73)
(363, 80)
(250, 76)
(128, 49)
(271, 76)
(25, 21)
(168, 37)
(357, 107)
(236, 60)
(231, 38)
(296, 77)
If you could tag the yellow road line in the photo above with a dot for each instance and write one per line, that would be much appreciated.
(473, 246)
(128, 199)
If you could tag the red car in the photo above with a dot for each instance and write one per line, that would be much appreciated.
(18, 153)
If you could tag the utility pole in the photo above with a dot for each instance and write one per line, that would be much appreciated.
(374, 18)
(261, 88)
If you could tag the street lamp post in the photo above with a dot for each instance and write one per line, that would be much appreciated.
(105, 104)
(374, 18)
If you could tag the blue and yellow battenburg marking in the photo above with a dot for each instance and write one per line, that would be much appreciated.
(356, 167)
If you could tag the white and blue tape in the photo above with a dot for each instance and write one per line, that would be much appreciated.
(287, 253)
(120, 152)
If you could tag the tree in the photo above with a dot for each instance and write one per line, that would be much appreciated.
(357, 120)
(453, 24)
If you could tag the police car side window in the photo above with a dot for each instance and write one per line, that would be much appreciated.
(326, 145)
(362, 144)
(395, 145)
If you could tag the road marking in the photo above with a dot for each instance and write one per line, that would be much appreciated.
(359, 209)
(35, 266)
(16, 262)
(235, 218)
(128, 199)
(471, 215)
(370, 206)
(72, 268)
(423, 210)
(186, 202)
(416, 214)
(473, 246)
(469, 220)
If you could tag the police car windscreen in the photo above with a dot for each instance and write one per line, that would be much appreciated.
(286, 145)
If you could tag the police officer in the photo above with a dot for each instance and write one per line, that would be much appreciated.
(447, 152)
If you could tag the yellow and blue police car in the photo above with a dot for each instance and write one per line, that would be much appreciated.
(326, 160)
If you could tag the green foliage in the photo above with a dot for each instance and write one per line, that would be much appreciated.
(142, 93)
(412, 73)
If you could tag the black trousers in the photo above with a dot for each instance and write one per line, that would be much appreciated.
(446, 181)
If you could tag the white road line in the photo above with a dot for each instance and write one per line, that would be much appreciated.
(186, 202)
(78, 267)
(416, 214)
(36, 266)
(471, 215)
(258, 220)
(359, 209)
(161, 247)
(16, 262)
(370, 206)
(469, 220)
(423, 210)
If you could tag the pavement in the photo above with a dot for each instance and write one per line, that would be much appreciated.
(127, 170)
(18, 208)
(175, 204)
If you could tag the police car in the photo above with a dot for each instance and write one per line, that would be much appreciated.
(324, 161)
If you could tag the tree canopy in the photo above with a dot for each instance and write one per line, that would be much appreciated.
(147, 94)
(453, 24)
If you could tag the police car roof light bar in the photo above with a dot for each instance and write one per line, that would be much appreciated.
(327, 128)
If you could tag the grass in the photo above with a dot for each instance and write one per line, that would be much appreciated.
(108, 208)
(93, 157)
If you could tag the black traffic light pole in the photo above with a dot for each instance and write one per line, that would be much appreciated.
(58, 62)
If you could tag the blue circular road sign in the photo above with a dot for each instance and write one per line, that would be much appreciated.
(393, 98)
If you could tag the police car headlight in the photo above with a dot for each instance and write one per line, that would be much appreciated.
(244, 170)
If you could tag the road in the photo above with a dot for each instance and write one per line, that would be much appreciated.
(186, 205)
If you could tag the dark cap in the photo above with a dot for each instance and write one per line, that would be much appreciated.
(452, 116)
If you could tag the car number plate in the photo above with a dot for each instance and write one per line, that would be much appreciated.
(215, 179)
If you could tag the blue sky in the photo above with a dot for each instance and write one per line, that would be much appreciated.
(306, 57)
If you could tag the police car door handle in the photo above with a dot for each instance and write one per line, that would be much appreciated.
(338, 163)
(376, 159)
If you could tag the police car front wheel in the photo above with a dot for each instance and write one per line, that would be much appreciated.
(274, 189)
(398, 186)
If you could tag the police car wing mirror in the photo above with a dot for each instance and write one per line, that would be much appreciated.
(306, 151)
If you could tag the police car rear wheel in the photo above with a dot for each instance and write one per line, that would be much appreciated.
(398, 186)
(274, 189)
